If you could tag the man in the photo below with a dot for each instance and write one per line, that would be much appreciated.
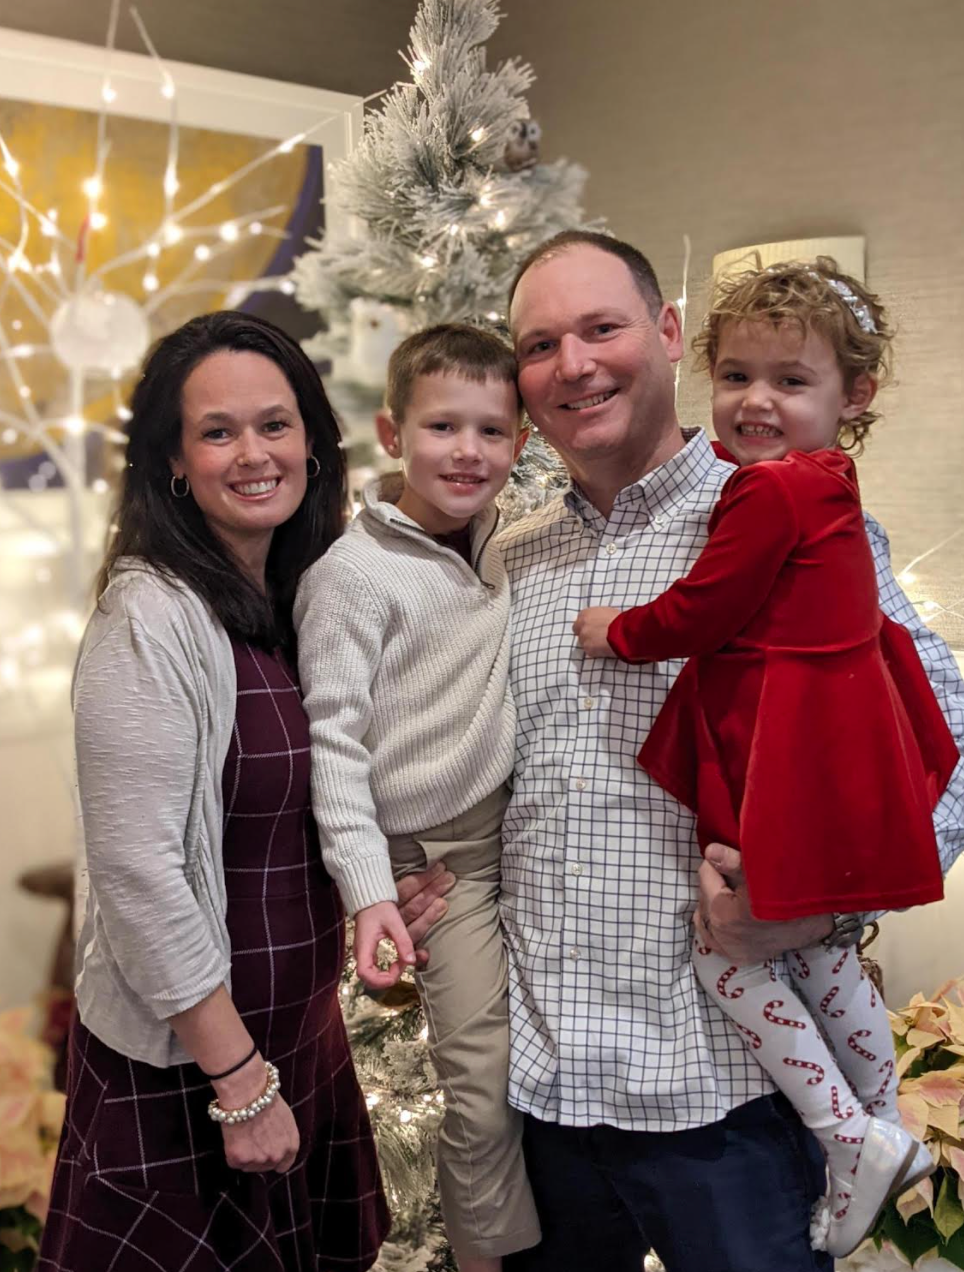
(647, 1121)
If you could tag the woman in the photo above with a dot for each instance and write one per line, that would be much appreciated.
(213, 938)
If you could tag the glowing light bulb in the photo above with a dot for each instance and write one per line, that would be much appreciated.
(421, 65)
(24, 391)
(154, 249)
(202, 252)
(493, 315)
(477, 134)
(172, 233)
(108, 92)
(255, 227)
(123, 413)
(9, 436)
(150, 282)
(97, 220)
(906, 579)
(428, 261)
(405, 1116)
(229, 232)
(99, 487)
(287, 287)
(167, 89)
(453, 229)
(93, 187)
(74, 424)
(500, 218)
(286, 147)
(171, 183)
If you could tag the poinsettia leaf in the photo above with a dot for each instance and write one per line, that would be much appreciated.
(913, 1112)
(945, 1117)
(924, 1038)
(906, 1060)
(914, 1201)
(940, 1086)
(912, 1239)
(948, 1212)
(953, 1250)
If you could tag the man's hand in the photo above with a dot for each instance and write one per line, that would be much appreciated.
(381, 922)
(724, 923)
(591, 628)
(420, 903)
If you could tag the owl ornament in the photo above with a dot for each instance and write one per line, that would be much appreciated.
(522, 145)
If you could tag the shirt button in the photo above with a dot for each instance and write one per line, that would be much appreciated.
(588, 703)
(577, 869)
(574, 953)
(581, 783)
(659, 522)
(610, 548)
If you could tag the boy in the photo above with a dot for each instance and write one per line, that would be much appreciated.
(403, 653)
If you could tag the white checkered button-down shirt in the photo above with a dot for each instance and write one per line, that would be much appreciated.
(600, 865)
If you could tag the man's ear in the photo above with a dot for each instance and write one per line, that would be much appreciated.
(387, 431)
(669, 325)
(520, 441)
(859, 396)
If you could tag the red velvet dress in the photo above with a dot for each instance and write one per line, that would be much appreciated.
(802, 730)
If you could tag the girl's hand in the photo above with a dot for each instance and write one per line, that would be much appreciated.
(267, 1142)
(377, 923)
(592, 627)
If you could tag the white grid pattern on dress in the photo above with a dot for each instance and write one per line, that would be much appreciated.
(608, 1023)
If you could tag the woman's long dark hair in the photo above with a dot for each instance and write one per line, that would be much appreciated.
(172, 535)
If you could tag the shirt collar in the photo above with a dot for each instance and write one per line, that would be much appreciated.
(657, 492)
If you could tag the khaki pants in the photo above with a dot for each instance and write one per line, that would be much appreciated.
(486, 1200)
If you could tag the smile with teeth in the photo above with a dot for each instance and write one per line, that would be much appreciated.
(596, 400)
(463, 479)
(256, 487)
(758, 430)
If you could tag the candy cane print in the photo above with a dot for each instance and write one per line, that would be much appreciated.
(769, 1014)
(840, 962)
(848, 1139)
(835, 1105)
(855, 1046)
(887, 1068)
(818, 1073)
(755, 1040)
(722, 983)
(827, 1000)
(803, 968)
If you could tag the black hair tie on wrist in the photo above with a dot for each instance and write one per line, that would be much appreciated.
(216, 1077)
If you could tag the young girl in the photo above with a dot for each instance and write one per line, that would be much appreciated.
(802, 730)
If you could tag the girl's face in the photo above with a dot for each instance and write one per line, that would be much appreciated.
(776, 390)
(244, 449)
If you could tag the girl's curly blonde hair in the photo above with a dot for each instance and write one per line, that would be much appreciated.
(799, 293)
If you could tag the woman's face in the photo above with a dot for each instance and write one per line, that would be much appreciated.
(244, 450)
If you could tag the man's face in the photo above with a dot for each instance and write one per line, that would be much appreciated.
(595, 369)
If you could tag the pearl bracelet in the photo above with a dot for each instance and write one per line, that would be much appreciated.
(231, 1117)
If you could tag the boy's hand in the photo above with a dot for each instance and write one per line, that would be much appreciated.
(421, 903)
(373, 924)
(591, 628)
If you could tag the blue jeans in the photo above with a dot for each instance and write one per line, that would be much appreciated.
(734, 1196)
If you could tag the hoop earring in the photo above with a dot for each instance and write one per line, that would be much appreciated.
(180, 494)
(313, 472)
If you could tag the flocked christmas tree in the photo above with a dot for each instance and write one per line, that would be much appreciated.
(448, 194)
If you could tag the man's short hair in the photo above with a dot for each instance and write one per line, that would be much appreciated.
(449, 348)
(644, 276)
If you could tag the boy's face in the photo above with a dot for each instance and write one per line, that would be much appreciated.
(457, 444)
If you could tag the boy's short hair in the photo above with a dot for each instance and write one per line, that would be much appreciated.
(449, 348)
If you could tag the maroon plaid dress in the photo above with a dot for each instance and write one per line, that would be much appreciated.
(141, 1183)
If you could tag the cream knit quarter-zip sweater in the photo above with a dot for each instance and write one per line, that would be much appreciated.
(403, 652)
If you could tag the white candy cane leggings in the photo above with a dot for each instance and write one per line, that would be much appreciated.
(787, 1028)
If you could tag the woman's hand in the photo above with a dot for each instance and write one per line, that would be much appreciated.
(381, 922)
(592, 628)
(267, 1142)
